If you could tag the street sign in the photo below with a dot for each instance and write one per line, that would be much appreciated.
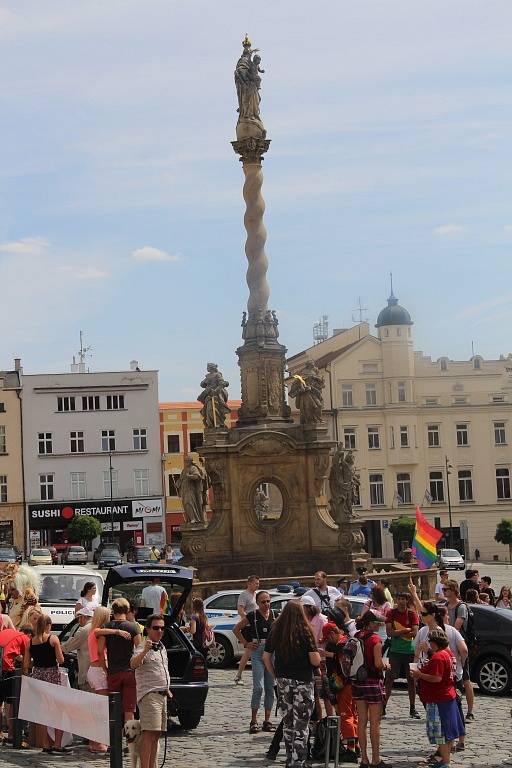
(463, 525)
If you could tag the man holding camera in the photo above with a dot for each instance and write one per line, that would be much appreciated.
(152, 681)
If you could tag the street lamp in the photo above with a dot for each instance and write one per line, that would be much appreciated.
(448, 473)
(111, 493)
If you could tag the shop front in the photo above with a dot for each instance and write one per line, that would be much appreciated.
(124, 521)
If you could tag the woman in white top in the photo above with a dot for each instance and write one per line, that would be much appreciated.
(88, 597)
(504, 598)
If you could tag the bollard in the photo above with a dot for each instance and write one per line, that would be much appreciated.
(332, 731)
(116, 730)
(17, 724)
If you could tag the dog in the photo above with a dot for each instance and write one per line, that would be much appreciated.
(133, 734)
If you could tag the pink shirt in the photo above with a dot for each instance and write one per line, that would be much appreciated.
(316, 623)
(92, 642)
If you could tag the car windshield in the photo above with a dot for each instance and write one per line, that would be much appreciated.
(154, 599)
(450, 553)
(66, 587)
(7, 552)
(76, 549)
(143, 551)
(41, 552)
(110, 553)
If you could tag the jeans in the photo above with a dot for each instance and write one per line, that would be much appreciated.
(261, 678)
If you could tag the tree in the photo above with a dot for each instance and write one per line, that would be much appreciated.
(84, 528)
(402, 529)
(503, 535)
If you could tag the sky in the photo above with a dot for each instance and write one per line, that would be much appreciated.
(121, 209)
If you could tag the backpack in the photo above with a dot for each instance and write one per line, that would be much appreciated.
(208, 636)
(351, 660)
(469, 632)
(325, 602)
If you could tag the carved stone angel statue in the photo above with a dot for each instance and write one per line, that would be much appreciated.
(307, 391)
(248, 83)
(214, 398)
(192, 487)
(343, 485)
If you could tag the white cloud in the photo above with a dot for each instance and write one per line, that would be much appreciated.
(26, 246)
(148, 253)
(476, 310)
(86, 273)
(447, 230)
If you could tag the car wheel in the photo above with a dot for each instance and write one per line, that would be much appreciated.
(494, 676)
(220, 654)
(189, 720)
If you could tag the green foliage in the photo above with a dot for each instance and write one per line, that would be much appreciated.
(403, 528)
(503, 535)
(83, 528)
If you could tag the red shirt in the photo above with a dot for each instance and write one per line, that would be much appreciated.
(441, 664)
(370, 640)
(14, 644)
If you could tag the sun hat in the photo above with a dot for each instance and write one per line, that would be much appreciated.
(85, 612)
(327, 628)
(307, 600)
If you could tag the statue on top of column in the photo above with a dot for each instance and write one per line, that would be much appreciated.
(214, 398)
(248, 83)
(306, 389)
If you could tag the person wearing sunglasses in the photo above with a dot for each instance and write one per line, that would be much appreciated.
(152, 682)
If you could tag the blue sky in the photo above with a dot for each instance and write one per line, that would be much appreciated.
(121, 210)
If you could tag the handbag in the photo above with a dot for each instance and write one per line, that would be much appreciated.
(336, 682)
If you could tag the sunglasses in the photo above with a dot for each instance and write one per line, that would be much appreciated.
(264, 601)
(159, 627)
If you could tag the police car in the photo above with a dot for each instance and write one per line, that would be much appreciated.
(60, 590)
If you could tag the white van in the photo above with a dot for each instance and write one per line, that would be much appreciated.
(60, 589)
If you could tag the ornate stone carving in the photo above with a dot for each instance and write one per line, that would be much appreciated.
(265, 445)
(321, 467)
(343, 485)
(248, 83)
(251, 150)
(261, 504)
(306, 389)
(214, 398)
(192, 486)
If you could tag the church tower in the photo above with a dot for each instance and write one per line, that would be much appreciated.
(394, 325)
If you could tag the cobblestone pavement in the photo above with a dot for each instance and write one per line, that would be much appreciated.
(222, 739)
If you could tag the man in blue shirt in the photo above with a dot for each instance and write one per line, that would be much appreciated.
(361, 586)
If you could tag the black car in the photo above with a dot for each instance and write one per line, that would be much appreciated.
(187, 667)
(101, 546)
(140, 554)
(10, 554)
(108, 557)
(490, 655)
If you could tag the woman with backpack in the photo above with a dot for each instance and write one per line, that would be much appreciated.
(199, 628)
(369, 694)
(291, 657)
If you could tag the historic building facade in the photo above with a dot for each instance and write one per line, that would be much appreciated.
(11, 464)
(437, 433)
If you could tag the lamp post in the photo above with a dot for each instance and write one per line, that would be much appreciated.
(448, 473)
(111, 493)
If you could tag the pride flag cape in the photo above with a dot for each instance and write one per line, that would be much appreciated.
(425, 541)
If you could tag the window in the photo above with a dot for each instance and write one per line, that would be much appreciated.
(370, 367)
(78, 486)
(173, 443)
(349, 438)
(376, 490)
(108, 440)
(430, 401)
(477, 363)
(3, 445)
(46, 487)
(141, 482)
(460, 400)
(465, 485)
(433, 436)
(140, 440)
(115, 402)
(91, 403)
(402, 394)
(404, 437)
(347, 395)
(65, 404)
(373, 438)
(106, 483)
(403, 487)
(45, 443)
(77, 442)
(444, 364)
(392, 436)
(436, 486)
(3, 489)
(196, 440)
(2, 407)
(503, 483)
(371, 394)
(462, 434)
(500, 437)
(498, 398)
(173, 484)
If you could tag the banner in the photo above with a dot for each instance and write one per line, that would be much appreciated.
(67, 709)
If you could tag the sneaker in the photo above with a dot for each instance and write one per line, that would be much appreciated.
(238, 680)
(415, 714)
(470, 716)
(271, 755)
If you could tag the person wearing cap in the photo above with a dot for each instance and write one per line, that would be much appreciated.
(362, 585)
(437, 690)
(402, 627)
(79, 643)
(333, 639)
(322, 593)
(316, 621)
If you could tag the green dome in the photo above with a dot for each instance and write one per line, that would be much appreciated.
(393, 314)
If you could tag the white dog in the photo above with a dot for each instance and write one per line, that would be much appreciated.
(133, 732)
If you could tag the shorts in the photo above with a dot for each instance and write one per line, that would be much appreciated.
(444, 722)
(124, 683)
(153, 711)
(7, 687)
(97, 679)
(399, 664)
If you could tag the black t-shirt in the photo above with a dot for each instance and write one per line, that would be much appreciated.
(259, 627)
(297, 666)
(465, 585)
(119, 650)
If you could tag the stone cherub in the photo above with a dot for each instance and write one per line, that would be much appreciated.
(192, 486)
(214, 398)
(261, 504)
(307, 388)
(344, 486)
(248, 83)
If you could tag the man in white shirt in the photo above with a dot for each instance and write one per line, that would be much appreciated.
(79, 643)
(247, 599)
(322, 594)
(151, 596)
(443, 578)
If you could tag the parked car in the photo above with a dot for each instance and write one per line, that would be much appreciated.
(451, 558)
(8, 555)
(60, 589)
(140, 554)
(104, 544)
(108, 557)
(490, 656)
(40, 557)
(74, 554)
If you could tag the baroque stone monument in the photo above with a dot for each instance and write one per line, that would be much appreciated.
(271, 513)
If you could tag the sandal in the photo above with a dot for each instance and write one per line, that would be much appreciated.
(268, 726)
(254, 728)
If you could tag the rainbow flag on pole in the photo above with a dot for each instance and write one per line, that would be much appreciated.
(425, 541)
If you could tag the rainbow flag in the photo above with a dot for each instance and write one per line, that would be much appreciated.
(425, 541)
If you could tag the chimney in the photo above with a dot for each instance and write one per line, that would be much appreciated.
(17, 364)
(134, 365)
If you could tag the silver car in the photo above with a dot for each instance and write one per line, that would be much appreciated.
(74, 555)
(451, 558)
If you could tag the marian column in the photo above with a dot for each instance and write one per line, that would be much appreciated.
(261, 358)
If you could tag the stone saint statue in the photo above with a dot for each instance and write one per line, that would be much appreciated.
(343, 485)
(261, 504)
(214, 398)
(192, 487)
(248, 83)
(307, 391)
